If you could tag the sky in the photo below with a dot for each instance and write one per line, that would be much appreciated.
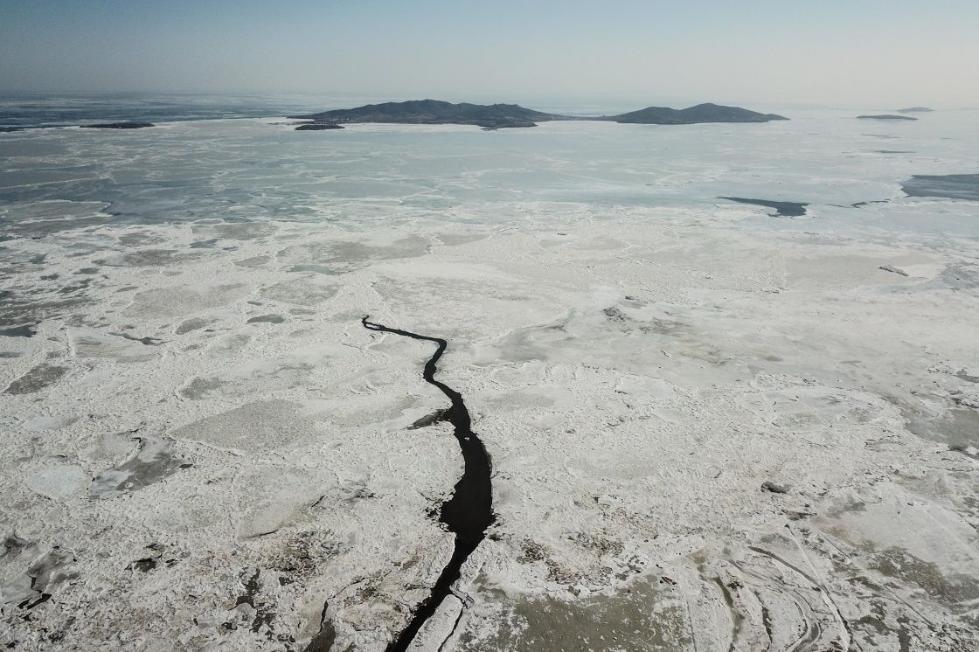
(867, 53)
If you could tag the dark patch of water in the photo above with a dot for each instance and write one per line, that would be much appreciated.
(782, 208)
(469, 512)
(946, 186)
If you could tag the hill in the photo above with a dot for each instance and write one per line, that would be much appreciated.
(435, 112)
(701, 113)
(499, 116)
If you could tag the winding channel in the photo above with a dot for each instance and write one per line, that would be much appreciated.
(469, 511)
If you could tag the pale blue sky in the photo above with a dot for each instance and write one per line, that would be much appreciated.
(856, 52)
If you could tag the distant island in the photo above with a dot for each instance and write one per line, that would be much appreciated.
(435, 112)
(916, 109)
(120, 125)
(885, 116)
(318, 126)
(101, 125)
(501, 116)
(702, 113)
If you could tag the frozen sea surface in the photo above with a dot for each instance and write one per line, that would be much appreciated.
(712, 425)
(246, 170)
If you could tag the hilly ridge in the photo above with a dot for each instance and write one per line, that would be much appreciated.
(499, 116)
(702, 113)
(491, 116)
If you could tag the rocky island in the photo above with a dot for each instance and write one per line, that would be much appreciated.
(499, 116)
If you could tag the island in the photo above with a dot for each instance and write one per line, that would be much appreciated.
(435, 112)
(702, 113)
(500, 116)
(885, 116)
(120, 125)
(916, 109)
(318, 126)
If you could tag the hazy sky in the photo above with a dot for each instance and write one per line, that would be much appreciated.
(840, 52)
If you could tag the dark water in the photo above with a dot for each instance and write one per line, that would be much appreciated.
(782, 208)
(946, 186)
(469, 511)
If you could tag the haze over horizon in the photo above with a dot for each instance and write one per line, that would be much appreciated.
(878, 54)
